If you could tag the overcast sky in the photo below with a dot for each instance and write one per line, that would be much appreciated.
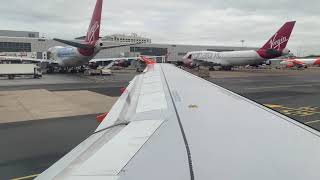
(201, 22)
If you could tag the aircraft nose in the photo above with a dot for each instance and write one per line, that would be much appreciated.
(187, 62)
(50, 53)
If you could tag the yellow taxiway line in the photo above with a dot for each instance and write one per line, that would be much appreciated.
(312, 122)
(26, 177)
(280, 86)
(301, 111)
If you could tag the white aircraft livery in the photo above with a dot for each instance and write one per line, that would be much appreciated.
(275, 47)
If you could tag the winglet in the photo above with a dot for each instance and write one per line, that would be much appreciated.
(147, 60)
(101, 117)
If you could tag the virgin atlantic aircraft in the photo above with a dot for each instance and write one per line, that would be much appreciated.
(275, 47)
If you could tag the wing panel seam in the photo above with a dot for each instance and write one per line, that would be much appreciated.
(181, 128)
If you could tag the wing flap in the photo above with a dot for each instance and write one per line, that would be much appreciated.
(114, 155)
(118, 107)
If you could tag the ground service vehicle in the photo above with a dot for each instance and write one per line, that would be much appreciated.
(13, 70)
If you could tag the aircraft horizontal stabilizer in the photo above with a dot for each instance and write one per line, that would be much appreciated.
(75, 44)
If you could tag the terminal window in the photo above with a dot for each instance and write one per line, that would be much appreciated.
(150, 51)
(15, 47)
(31, 35)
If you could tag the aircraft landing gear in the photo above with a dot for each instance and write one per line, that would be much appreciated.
(63, 70)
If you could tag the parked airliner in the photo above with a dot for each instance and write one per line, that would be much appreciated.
(275, 47)
(300, 63)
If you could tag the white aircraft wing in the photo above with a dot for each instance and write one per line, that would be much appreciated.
(169, 124)
(120, 58)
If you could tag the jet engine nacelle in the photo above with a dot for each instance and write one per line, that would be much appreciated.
(98, 45)
(285, 51)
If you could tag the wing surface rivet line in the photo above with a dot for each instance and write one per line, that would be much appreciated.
(115, 125)
(182, 131)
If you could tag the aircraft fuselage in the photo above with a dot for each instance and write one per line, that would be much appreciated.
(71, 56)
(230, 58)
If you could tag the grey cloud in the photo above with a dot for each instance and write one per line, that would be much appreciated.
(215, 22)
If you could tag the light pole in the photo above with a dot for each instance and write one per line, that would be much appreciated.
(242, 42)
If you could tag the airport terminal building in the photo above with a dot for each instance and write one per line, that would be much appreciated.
(29, 44)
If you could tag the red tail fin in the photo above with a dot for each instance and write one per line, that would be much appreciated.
(94, 28)
(279, 40)
(148, 60)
